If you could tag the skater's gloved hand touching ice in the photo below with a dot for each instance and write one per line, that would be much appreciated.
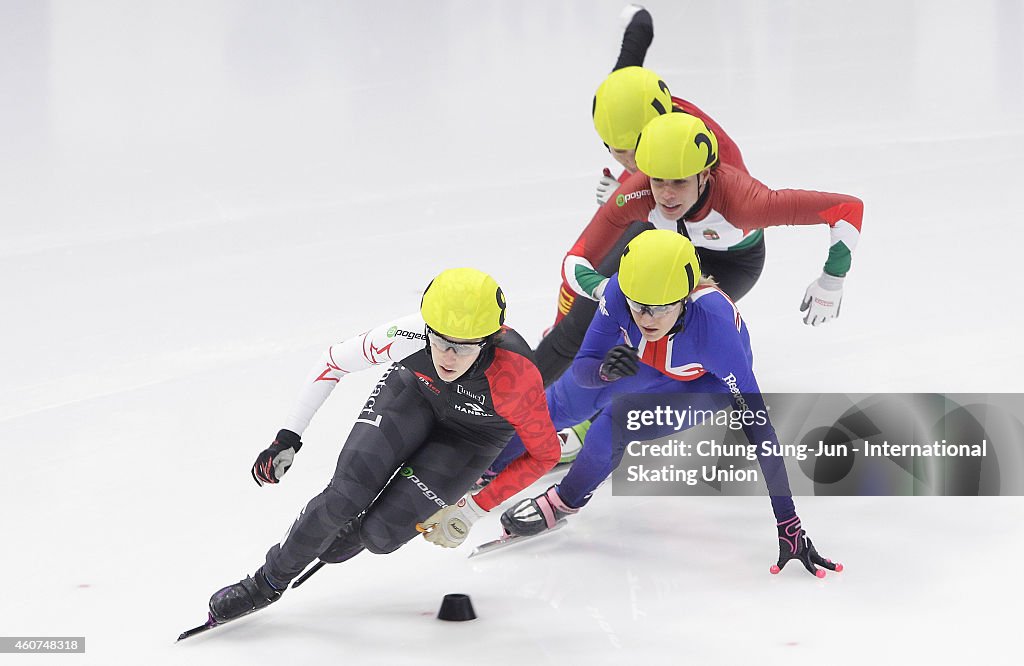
(273, 462)
(450, 526)
(794, 544)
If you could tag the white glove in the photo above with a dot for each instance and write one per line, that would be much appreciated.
(450, 526)
(598, 292)
(822, 299)
(606, 187)
(627, 14)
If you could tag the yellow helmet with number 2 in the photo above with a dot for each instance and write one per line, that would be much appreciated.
(463, 303)
(627, 100)
(676, 146)
(659, 267)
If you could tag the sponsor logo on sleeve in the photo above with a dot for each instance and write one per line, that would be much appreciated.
(737, 395)
(623, 199)
(395, 332)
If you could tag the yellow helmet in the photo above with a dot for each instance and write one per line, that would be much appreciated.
(658, 267)
(627, 100)
(676, 145)
(463, 303)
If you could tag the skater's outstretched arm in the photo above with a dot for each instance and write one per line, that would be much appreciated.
(637, 38)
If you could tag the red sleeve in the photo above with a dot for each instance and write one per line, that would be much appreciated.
(728, 151)
(749, 204)
(632, 202)
(605, 229)
(518, 396)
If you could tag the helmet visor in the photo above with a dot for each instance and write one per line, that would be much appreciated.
(443, 344)
(653, 310)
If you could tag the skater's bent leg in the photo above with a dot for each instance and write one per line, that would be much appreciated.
(437, 475)
(345, 546)
(556, 351)
(593, 464)
(312, 533)
(393, 424)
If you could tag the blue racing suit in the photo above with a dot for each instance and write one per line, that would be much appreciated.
(708, 352)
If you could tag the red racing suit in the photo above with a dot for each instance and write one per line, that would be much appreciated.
(731, 215)
(728, 153)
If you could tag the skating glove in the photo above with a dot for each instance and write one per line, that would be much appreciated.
(629, 11)
(794, 544)
(606, 187)
(450, 526)
(822, 299)
(271, 465)
(620, 361)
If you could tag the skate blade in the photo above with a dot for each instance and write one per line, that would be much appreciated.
(210, 624)
(507, 540)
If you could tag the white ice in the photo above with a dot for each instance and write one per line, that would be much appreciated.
(197, 197)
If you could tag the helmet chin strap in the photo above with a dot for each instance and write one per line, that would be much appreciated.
(678, 326)
(486, 351)
(702, 197)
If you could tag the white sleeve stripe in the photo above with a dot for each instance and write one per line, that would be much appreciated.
(845, 232)
(569, 273)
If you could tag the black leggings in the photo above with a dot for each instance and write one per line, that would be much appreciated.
(736, 272)
(388, 478)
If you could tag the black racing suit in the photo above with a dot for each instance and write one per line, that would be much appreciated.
(418, 445)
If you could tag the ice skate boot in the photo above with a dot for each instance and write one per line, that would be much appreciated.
(248, 595)
(537, 514)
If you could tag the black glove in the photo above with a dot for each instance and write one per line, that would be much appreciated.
(794, 544)
(620, 361)
(271, 465)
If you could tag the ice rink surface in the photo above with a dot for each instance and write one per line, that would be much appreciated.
(196, 198)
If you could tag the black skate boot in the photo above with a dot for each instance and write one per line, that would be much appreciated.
(533, 516)
(242, 598)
